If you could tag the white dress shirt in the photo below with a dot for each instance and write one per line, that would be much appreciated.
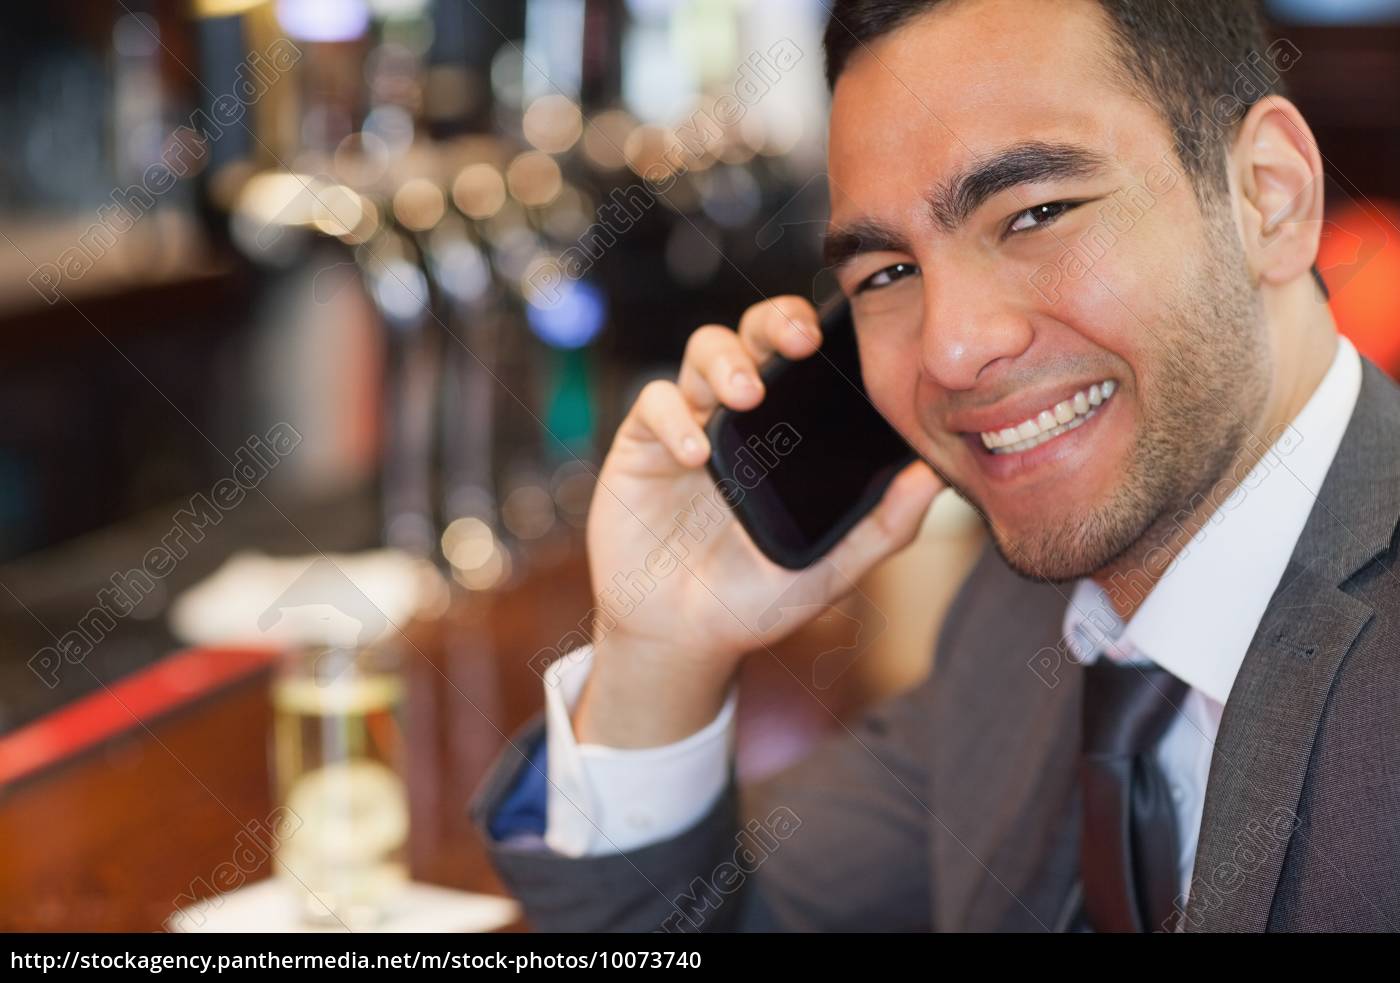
(1196, 623)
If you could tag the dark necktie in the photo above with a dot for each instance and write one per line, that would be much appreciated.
(1130, 846)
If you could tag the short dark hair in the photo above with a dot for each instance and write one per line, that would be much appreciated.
(1183, 56)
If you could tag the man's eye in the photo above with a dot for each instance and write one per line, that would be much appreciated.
(887, 276)
(1040, 215)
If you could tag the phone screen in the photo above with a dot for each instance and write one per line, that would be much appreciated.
(805, 465)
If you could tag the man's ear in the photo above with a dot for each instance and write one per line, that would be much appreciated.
(1279, 169)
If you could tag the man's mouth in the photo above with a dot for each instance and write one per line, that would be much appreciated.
(1051, 422)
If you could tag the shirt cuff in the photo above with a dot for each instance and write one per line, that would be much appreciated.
(604, 800)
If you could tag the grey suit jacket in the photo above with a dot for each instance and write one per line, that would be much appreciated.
(954, 807)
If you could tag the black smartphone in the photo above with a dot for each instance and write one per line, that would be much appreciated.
(806, 464)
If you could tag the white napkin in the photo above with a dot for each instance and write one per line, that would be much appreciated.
(271, 906)
(342, 599)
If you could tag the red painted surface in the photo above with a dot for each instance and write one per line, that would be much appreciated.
(129, 703)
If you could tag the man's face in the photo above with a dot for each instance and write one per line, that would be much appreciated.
(1030, 268)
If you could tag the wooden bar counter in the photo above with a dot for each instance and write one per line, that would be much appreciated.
(115, 834)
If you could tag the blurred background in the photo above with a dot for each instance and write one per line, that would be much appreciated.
(318, 316)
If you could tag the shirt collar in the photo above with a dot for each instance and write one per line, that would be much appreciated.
(1199, 618)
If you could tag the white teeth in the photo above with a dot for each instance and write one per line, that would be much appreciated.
(1049, 424)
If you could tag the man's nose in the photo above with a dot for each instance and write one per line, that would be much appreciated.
(969, 325)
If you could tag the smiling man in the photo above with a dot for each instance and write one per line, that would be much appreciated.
(1078, 238)
(1063, 112)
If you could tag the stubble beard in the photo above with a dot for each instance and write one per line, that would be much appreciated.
(1210, 387)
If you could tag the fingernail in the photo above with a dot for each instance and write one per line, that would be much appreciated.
(689, 445)
(742, 380)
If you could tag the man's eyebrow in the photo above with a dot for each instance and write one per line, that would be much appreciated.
(865, 236)
(955, 199)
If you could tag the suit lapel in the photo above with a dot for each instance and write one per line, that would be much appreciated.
(1007, 709)
(1272, 715)
(1263, 749)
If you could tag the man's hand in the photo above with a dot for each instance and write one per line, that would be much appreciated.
(662, 671)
